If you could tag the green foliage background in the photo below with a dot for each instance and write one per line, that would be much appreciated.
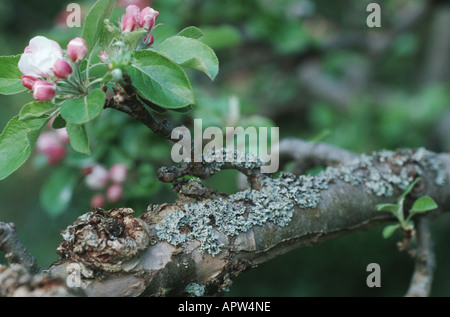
(262, 45)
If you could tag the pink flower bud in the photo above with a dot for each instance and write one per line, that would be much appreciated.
(55, 156)
(43, 90)
(114, 192)
(132, 10)
(62, 69)
(28, 81)
(62, 135)
(49, 144)
(130, 18)
(97, 201)
(118, 173)
(46, 142)
(147, 18)
(98, 178)
(103, 57)
(148, 40)
(87, 170)
(77, 49)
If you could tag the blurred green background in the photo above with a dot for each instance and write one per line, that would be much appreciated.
(312, 68)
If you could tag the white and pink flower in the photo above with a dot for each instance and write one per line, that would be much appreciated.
(77, 49)
(97, 178)
(50, 145)
(114, 193)
(130, 18)
(97, 201)
(39, 57)
(118, 173)
(147, 18)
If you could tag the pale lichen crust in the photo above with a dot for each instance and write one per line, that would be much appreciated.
(207, 221)
(104, 240)
(195, 289)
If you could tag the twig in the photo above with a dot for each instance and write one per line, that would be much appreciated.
(128, 103)
(311, 154)
(15, 251)
(422, 278)
(247, 164)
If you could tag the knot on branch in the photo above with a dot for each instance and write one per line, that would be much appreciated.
(104, 240)
(17, 281)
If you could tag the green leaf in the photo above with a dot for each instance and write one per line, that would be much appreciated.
(184, 110)
(132, 39)
(83, 109)
(388, 207)
(389, 230)
(94, 22)
(59, 122)
(423, 204)
(109, 33)
(151, 105)
(57, 192)
(17, 141)
(191, 53)
(10, 82)
(78, 138)
(191, 32)
(408, 189)
(160, 80)
(36, 109)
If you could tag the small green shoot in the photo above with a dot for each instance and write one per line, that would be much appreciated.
(421, 205)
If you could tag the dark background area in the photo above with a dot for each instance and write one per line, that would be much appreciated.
(312, 68)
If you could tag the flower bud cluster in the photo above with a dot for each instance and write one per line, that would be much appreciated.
(98, 178)
(43, 63)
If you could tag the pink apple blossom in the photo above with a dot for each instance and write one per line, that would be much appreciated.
(103, 57)
(49, 145)
(43, 90)
(97, 201)
(148, 40)
(28, 81)
(62, 69)
(62, 135)
(147, 18)
(114, 192)
(130, 18)
(97, 178)
(77, 49)
(39, 57)
(118, 173)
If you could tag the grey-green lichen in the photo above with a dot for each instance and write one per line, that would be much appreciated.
(275, 202)
(195, 289)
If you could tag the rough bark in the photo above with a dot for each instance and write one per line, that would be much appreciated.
(199, 243)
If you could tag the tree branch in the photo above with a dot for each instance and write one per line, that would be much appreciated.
(223, 159)
(425, 261)
(311, 154)
(127, 102)
(15, 251)
(205, 238)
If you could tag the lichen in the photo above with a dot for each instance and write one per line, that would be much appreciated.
(195, 289)
(380, 175)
